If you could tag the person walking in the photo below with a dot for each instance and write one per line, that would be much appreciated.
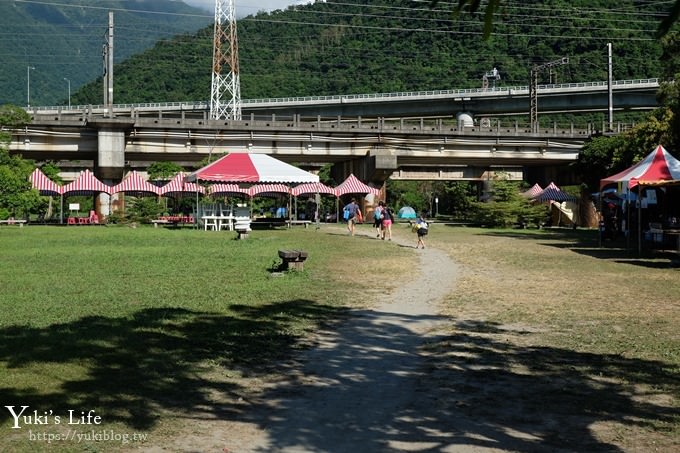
(421, 229)
(377, 218)
(353, 211)
(387, 220)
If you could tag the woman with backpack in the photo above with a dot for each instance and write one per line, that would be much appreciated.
(387, 220)
(377, 218)
(421, 229)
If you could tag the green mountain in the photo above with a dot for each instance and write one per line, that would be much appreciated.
(63, 41)
(355, 46)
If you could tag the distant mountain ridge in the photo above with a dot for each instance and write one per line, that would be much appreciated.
(63, 41)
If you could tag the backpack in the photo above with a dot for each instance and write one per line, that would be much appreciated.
(377, 214)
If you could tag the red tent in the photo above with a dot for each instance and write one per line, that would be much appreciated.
(226, 189)
(553, 193)
(178, 186)
(312, 188)
(266, 189)
(86, 183)
(659, 167)
(533, 192)
(353, 185)
(44, 184)
(255, 168)
(134, 183)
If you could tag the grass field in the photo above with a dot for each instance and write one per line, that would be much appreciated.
(144, 325)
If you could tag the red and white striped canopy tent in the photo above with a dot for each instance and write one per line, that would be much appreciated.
(268, 189)
(44, 184)
(312, 188)
(135, 183)
(553, 193)
(85, 184)
(178, 186)
(533, 192)
(352, 185)
(254, 168)
(658, 168)
(227, 189)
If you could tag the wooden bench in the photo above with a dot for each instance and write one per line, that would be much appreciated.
(293, 259)
(13, 222)
(290, 223)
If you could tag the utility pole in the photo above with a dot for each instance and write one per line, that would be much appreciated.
(28, 85)
(225, 93)
(533, 89)
(107, 54)
(610, 97)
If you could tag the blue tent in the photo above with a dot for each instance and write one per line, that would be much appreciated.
(407, 212)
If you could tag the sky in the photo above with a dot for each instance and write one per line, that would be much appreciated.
(247, 7)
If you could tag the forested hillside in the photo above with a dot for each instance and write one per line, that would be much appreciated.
(63, 41)
(371, 46)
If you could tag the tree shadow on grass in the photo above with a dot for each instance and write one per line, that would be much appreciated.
(475, 389)
(131, 368)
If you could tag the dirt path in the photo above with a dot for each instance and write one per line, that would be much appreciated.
(359, 389)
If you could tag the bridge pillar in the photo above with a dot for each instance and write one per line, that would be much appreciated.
(110, 153)
(110, 164)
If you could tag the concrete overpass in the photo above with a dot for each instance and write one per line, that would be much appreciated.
(639, 94)
(406, 135)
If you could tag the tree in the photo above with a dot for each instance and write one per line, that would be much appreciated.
(494, 6)
(164, 170)
(16, 196)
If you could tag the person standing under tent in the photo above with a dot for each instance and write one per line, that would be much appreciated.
(353, 211)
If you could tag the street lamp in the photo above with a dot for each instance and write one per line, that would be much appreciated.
(69, 92)
(28, 85)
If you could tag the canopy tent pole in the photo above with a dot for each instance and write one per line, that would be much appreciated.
(317, 215)
(639, 201)
(61, 210)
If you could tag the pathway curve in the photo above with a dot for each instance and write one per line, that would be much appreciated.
(358, 390)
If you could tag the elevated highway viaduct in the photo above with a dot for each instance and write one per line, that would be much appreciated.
(422, 135)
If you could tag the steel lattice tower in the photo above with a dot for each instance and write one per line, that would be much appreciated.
(225, 94)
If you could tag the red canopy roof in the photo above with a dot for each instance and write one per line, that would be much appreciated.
(227, 189)
(533, 192)
(261, 189)
(44, 184)
(136, 184)
(312, 188)
(178, 186)
(86, 183)
(658, 167)
(353, 185)
(553, 193)
(245, 167)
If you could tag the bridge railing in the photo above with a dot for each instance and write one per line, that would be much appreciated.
(350, 98)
